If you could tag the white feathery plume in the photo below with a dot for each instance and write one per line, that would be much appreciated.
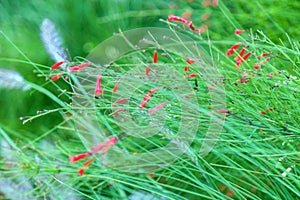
(10, 79)
(52, 41)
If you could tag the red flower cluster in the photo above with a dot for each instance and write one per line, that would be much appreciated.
(104, 147)
(257, 65)
(72, 69)
(54, 67)
(240, 57)
(188, 23)
(186, 68)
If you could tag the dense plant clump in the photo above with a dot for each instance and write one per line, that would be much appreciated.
(135, 127)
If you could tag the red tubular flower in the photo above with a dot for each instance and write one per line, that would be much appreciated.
(116, 87)
(238, 64)
(256, 66)
(192, 75)
(246, 56)
(155, 57)
(222, 111)
(241, 60)
(143, 104)
(105, 146)
(81, 171)
(146, 100)
(190, 61)
(79, 67)
(238, 31)
(148, 97)
(148, 69)
(121, 100)
(56, 65)
(172, 17)
(79, 156)
(192, 26)
(265, 60)
(229, 52)
(186, 69)
(85, 165)
(117, 112)
(267, 110)
(98, 90)
(232, 49)
(56, 77)
(156, 108)
(263, 55)
(235, 46)
(242, 52)
(153, 90)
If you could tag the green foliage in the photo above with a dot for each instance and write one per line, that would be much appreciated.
(253, 152)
